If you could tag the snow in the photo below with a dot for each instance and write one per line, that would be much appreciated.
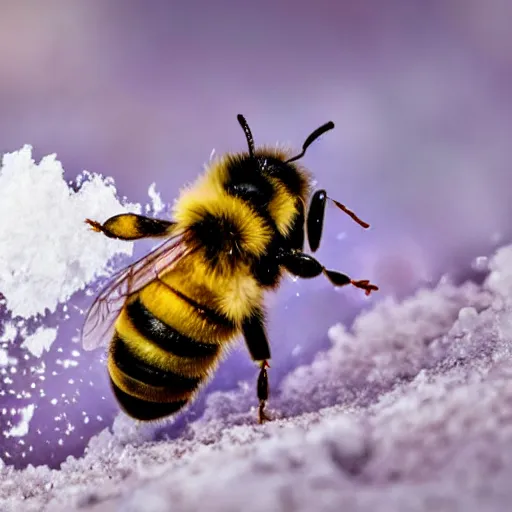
(40, 341)
(500, 279)
(10, 332)
(157, 205)
(42, 260)
(409, 408)
(48, 256)
(21, 429)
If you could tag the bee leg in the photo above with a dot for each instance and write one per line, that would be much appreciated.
(315, 220)
(303, 265)
(130, 226)
(257, 342)
(263, 392)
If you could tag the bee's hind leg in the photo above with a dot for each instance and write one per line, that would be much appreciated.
(263, 392)
(130, 226)
(256, 340)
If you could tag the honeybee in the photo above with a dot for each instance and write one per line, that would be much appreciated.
(169, 317)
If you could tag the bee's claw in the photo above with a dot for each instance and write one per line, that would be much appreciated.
(95, 226)
(262, 415)
(364, 284)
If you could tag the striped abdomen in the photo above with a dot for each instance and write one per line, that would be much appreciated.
(165, 346)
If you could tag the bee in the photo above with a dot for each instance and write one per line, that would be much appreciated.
(235, 231)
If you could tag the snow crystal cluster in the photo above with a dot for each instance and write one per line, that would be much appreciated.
(47, 252)
(408, 410)
(47, 257)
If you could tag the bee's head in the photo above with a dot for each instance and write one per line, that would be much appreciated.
(247, 181)
(268, 179)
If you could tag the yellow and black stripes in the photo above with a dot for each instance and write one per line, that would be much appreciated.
(206, 208)
(143, 410)
(229, 296)
(176, 385)
(165, 298)
(165, 336)
(155, 367)
(144, 389)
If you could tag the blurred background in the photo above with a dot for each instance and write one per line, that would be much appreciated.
(143, 91)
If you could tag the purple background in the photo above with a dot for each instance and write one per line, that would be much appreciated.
(143, 91)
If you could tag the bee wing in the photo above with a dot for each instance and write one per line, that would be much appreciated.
(99, 321)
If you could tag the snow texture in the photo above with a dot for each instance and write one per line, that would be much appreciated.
(408, 410)
(47, 257)
(38, 273)
(21, 429)
(40, 341)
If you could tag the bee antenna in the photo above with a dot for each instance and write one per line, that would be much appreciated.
(311, 138)
(248, 134)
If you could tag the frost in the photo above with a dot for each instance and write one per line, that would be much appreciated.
(500, 278)
(46, 258)
(466, 321)
(40, 341)
(4, 359)
(158, 205)
(10, 332)
(481, 263)
(21, 429)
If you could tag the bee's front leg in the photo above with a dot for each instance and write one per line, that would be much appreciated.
(303, 265)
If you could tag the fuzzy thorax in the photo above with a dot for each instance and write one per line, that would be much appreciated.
(225, 223)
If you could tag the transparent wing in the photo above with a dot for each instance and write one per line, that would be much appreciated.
(99, 321)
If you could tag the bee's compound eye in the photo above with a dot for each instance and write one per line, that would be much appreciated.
(248, 191)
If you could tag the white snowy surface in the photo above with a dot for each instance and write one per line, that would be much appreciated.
(409, 410)
(41, 271)
(47, 254)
